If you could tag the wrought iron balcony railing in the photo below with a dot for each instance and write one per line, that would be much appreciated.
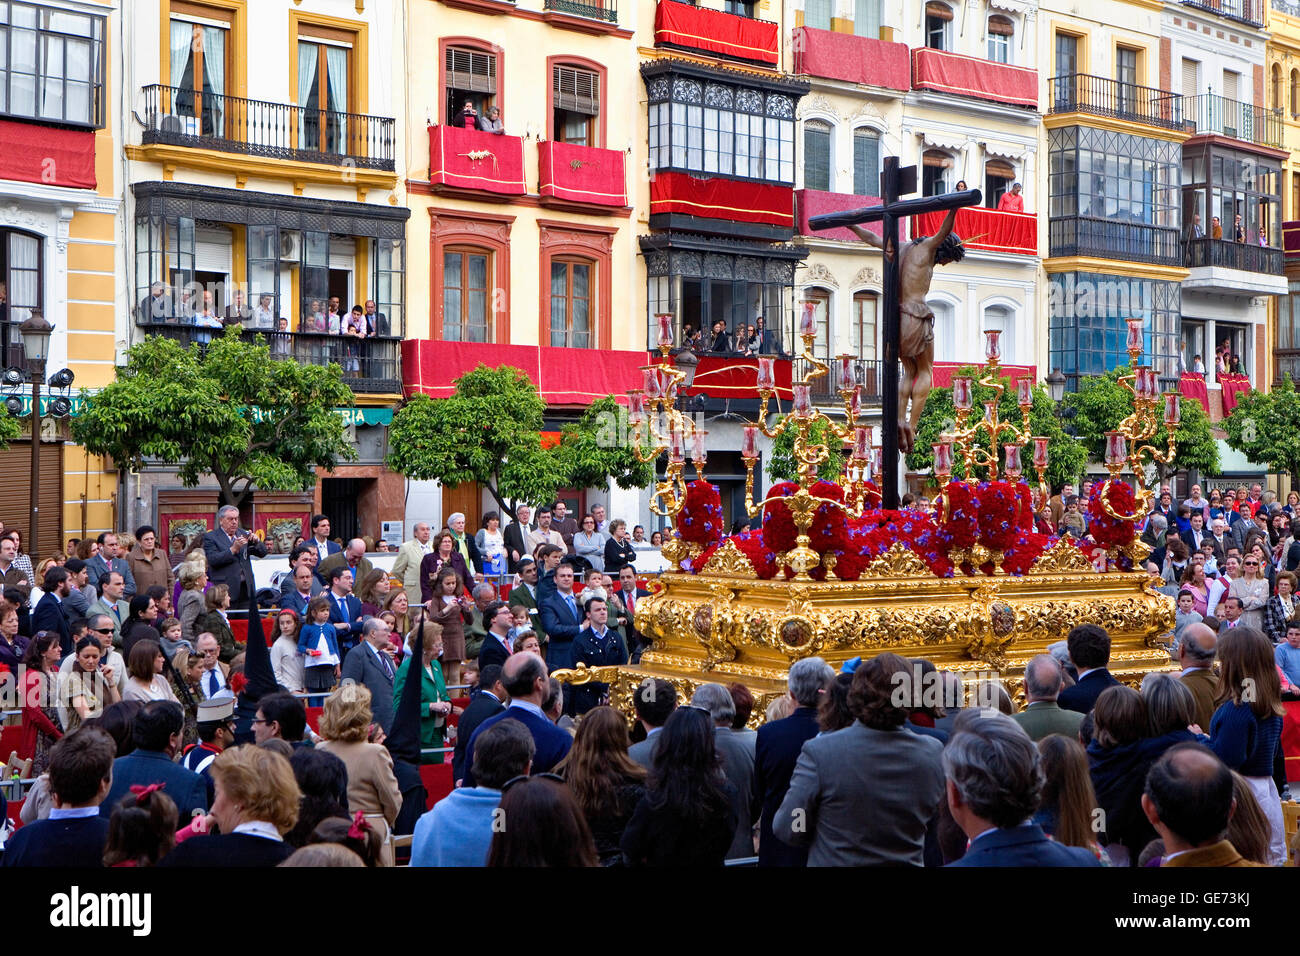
(1101, 96)
(1113, 239)
(1217, 114)
(606, 10)
(1250, 12)
(1246, 256)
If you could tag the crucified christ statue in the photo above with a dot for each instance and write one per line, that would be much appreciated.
(916, 318)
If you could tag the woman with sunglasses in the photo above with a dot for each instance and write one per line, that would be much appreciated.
(1252, 589)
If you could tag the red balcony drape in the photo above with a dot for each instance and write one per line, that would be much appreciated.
(469, 159)
(971, 76)
(726, 34)
(32, 153)
(981, 228)
(1191, 385)
(581, 174)
(1233, 386)
(855, 59)
(721, 198)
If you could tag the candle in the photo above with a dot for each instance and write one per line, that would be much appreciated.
(635, 408)
(847, 379)
(808, 321)
(749, 444)
(991, 412)
(855, 403)
(877, 460)
(676, 447)
(942, 458)
(1116, 448)
(861, 443)
(1013, 459)
(993, 344)
(1147, 387)
(1173, 411)
(651, 388)
(1134, 335)
(1040, 452)
(802, 401)
(961, 394)
(665, 329)
(766, 373)
(699, 454)
(1025, 391)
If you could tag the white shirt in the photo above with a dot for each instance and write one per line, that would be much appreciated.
(73, 813)
(529, 706)
(205, 684)
(260, 828)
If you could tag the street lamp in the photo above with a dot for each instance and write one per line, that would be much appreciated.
(1056, 385)
(36, 345)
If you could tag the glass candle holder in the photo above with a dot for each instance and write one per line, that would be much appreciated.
(1013, 460)
(635, 408)
(808, 320)
(1040, 452)
(1173, 408)
(699, 454)
(942, 458)
(861, 443)
(962, 399)
(846, 378)
(1024, 391)
(665, 329)
(677, 445)
(990, 412)
(749, 443)
(802, 400)
(993, 345)
(651, 388)
(1116, 448)
(766, 373)
(1134, 343)
(855, 403)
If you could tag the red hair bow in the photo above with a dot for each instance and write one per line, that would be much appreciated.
(360, 827)
(141, 792)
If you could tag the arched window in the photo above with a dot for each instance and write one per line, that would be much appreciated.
(999, 317)
(936, 167)
(938, 25)
(945, 345)
(817, 154)
(1000, 32)
(866, 162)
(1275, 86)
(1295, 92)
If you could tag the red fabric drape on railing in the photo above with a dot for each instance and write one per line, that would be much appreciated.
(981, 228)
(581, 174)
(724, 376)
(700, 28)
(944, 371)
(32, 153)
(843, 56)
(1191, 385)
(1233, 386)
(721, 198)
(971, 76)
(469, 159)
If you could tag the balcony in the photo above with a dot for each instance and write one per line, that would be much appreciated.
(50, 155)
(1100, 96)
(815, 202)
(1291, 8)
(869, 373)
(477, 162)
(369, 365)
(1249, 12)
(970, 76)
(1217, 114)
(853, 59)
(992, 230)
(1233, 268)
(689, 27)
(232, 124)
(581, 174)
(596, 18)
(1113, 239)
(729, 207)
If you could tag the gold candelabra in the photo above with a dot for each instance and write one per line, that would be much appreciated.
(1127, 445)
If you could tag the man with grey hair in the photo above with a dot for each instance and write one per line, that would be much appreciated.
(737, 762)
(227, 549)
(409, 556)
(369, 664)
(353, 557)
(776, 750)
(1195, 654)
(477, 628)
(995, 782)
(1153, 536)
(1042, 715)
(464, 543)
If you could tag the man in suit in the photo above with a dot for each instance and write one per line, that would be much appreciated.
(1196, 535)
(654, 701)
(1189, 801)
(78, 578)
(516, 537)
(157, 732)
(1197, 230)
(301, 588)
(214, 679)
(631, 595)
(50, 613)
(488, 701)
(526, 594)
(1042, 714)
(12, 576)
(369, 665)
(1221, 538)
(1195, 654)
(995, 778)
(353, 557)
(597, 645)
(561, 522)
(496, 645)
(526, 681)
(1089, 647)
(110, 558)
(875, 762)
(1242, 529)
(320, 538)
(74, 834)
(345, 608)
(227, 551)
(776, 750)
(376, 322)
(409, 556)
(562, 619)
(737, 763)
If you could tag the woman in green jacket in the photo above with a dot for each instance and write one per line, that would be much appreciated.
(435, 703)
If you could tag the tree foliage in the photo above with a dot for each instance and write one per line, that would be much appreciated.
(1266, 427)
(230, 411)
(782, 466)
(1067, 456)
(1102, 403)
(488, 432)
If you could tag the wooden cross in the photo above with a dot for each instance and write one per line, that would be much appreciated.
(894, 181)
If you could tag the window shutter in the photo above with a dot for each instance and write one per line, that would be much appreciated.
(940, 11)
(1001, 26)
(471, 70)
(817, 156)
(817, 14)
(576, 90)
(1000, 168)
(866, 163)
(933, 157)
(1191, 81)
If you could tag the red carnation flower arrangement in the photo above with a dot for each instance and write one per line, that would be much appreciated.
(779, 532)
(1021, 556)
(1111, 532)
(700, 520)
(998, 505)
(960, 530)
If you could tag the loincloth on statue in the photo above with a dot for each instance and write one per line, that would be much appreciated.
(917, 337)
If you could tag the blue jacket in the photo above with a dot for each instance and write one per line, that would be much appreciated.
(354, 618)
(310, 635)
(1084, 694)
(73, 842)
(144, 767)
(458, 830)
(1023, 846)
(590, 650)
(562, 627)
(552, 743)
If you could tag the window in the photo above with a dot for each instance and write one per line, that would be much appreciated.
(935, 166)
(466, 281)
(1231, 183)
(938, 25)
(821, 298)
(1000, 32)
(1067, 54)
(469, 76)
(998, 177)
(388, 257)
(1275, 87)
(998, 317)
(1126, 73)
(945, 336)
(324, 88)
(717, 128)
(20, 271)
(51, 64)
(1191, 77)
(740, 8)
(571, 303)
(200, 52)
(1295, 93)
(817, 155)
(575, 98)
(817, 13)
(263, 254)
(866, 18)
(866, 162)
(1231, 84)
(164, 257)
(864, 334)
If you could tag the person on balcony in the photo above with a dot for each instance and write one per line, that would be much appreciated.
(155, 307)
(376, 321)
(1216, 228)
(1197, 231)
(1238, 230)
(1012, 201)
(238, 312)
(720, 341)
(205, 318)
(263, 317)
(354, 328)
(314, 320)
(491, 122)
(468, 118)
(1198, 366)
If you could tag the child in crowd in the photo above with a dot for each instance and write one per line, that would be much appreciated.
(142, 829)
(318, 643)
(521, 622)
(170, 629)
(1287, 654)
(1185, 614)
(286, 662)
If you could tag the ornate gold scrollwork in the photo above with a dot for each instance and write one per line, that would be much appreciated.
(1062, 556)
(898, 562)
(729, 561)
